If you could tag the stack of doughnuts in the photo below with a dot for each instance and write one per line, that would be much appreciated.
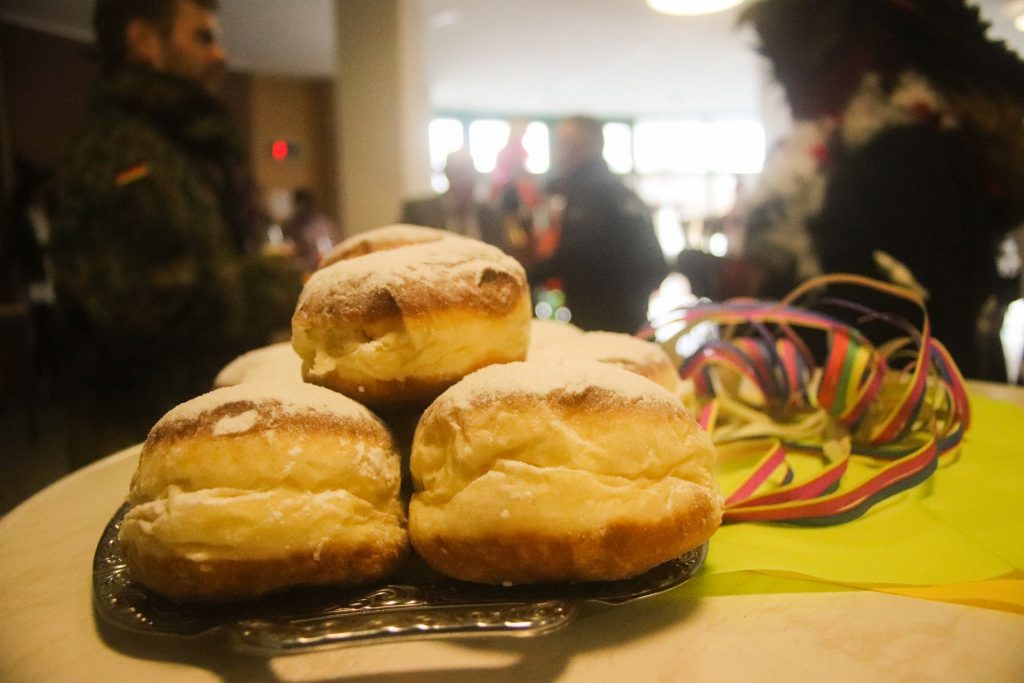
(535, 451)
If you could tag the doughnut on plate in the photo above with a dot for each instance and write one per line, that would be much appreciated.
(416, 604)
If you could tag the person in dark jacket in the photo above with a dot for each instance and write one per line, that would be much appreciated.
(458, 209)
(154, 215)
(608, 259)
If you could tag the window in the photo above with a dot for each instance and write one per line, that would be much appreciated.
(445, 136)
(537, 142)
(687, 170)
(487, 137)
(618, 147)
(692, 146)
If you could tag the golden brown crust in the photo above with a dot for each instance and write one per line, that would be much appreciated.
(559, 471)
(215, 581)
(621, 549)
(261, 487)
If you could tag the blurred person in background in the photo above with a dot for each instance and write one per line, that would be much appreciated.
(907, 158)
(458, 209)
(607, 260)
(311, 230)
(515, 193)
(156, 228)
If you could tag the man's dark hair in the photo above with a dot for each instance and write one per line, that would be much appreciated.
(111, 17)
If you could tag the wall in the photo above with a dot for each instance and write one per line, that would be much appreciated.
(381, 110)
(301, 112)
(46, 85)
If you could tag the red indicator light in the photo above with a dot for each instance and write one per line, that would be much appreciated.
(279, 150)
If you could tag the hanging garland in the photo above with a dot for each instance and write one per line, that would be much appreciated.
(830, 435)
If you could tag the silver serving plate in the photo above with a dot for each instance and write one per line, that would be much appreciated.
(420, 604)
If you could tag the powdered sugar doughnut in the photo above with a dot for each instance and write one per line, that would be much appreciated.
(274, 363)
(397, 327)
(258, 487)
(558, 471)
(640, 356)
(551, 334)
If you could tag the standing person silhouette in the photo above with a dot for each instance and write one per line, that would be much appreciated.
(154, 213)
(608, 258)
(515, 193)
(458, 209)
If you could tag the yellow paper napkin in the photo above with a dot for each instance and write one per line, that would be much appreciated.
(958, 537)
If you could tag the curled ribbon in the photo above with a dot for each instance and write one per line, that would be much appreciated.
(886, 412)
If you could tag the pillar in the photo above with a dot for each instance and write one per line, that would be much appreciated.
(381, 109)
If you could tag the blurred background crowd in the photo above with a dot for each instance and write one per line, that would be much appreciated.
(173, 169)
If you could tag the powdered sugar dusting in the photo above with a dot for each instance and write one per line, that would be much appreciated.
(236, 424)
(291, 398)
(607, 347)
(551, 335)
(544, 377)
(446, 265)
(379, 239)
(277, 362)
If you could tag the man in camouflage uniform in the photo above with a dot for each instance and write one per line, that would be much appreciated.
(151, 226)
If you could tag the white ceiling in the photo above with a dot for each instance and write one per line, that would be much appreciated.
(605, 57)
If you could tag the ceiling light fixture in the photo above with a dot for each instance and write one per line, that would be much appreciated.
(691, 7)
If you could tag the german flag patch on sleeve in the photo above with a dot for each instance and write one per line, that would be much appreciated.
(130, 174)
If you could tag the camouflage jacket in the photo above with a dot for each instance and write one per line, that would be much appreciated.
(147, 261)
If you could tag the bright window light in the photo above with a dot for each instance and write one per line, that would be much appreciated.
(693, 196)
(718, 244)
(689, 146)
(1012, 336)
(536, 140)
(618, 147)
(691, 7)
(439, 182)
(487, 137)
(687, 193)
(735, 146)
(444, 137)
(670, 232)
(670, 146)
(721, 194)
(674, 292)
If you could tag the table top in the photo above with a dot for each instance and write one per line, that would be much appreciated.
(49, 631)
